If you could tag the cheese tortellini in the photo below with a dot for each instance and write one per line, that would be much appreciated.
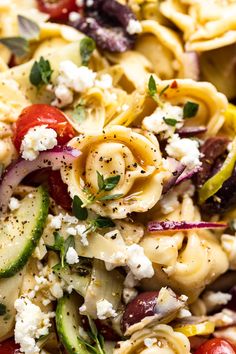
(185, 261)
(160, 339)
(117, 151)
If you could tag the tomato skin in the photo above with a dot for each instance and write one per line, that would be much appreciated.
(9, 347)
(58, 10)
(58, 191)
(42, 114)
(216, 346)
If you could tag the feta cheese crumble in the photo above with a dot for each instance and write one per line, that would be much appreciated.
(105, 81)
(72, 256)
(169, 202)
(139, 264)
(105, 309)
(39, 138)
(184, 150)
(155, 122)
(129, 294)
(14, 204)
(31, 323)
(71, 78)
(134, 27)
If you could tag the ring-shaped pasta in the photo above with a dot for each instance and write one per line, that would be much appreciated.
(121, 151)
(165, 341)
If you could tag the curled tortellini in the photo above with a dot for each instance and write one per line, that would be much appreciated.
(204, 27)
(185, 261)
(117, 151)
(160, 339)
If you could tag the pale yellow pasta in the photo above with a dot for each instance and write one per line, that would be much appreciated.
(185, 261)
(166, 341)
(117, 151)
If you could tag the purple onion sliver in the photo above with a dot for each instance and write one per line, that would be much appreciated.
(177, 168)
(17, 171)
(187, 175)
(158, 226)
(186, 132)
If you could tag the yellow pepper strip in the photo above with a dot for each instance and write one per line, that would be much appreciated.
(191, 330)
(212, 185)
(230, 120)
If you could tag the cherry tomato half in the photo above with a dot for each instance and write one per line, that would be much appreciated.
(59, 191)
(216, 346)
(42, 114)
(9, 347)
(57, 9)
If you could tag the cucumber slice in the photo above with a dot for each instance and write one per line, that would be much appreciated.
(68, 323)
(20, 232)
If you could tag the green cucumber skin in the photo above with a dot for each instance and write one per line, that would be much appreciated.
(33, 242)
(61, 330)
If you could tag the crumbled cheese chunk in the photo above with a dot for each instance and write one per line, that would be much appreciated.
(155, 122)
(185, 150)
(105, 81)
(213, 299)
(71, 78)
(74, 16)
(72, 256)
(14, 204)
(31, 323)
(169, 202)
(129, 294)
(149, 342)
(184, 313)
(130, 281)
(83, 309)
(139, 264)
(105, 309)
(57, 290)
(39, 138)
(134, 27)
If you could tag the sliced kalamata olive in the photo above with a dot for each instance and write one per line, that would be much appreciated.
(224, 199)
(106, 22)
(142, 306)
(212, 149)
(187, 132)
(232, 303)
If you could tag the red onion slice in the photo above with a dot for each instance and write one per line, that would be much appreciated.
(17, 171)
(187, 175)
(177, 168)
(159, 226)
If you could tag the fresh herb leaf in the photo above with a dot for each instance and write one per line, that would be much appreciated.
(87, 46)
(164, 90)
(190, 109)
(79, 113)
(28, 29)
(107, 184)
(81, 213)
(110, 197)
(3, 309)
(40, 73)
(170, 121)
(62, 246)
(58, 242)
(17, 45)
(101, 222)
(97, 341)
(152, 87)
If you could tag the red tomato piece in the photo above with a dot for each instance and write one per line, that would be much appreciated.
(58, 191)
(9, 347)
(57, 10)
(42, 114)
(216, 346)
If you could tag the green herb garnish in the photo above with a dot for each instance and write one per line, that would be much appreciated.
(87, 46)
(28, 29)
(107, 184)
(80, 212)
(96, 338)
(99, 223)
(190, 109)
(62, 246)
(17, 45)
(164, 90)
(170, 121)
(3, 309)
(40, 73)
(152, 87)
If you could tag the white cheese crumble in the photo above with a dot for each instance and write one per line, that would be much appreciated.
(149, 342)
(169, 202)
(156, 123)
(72, 256)
(105, 81)
(74, 16)
(212, 299)
(184, 150)
(14, 204)
(129, 294)
(134, 27)
(105, 309)
(71, 78)
(31, 323)
(39, 138)
(139, 264)
(130, 281)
